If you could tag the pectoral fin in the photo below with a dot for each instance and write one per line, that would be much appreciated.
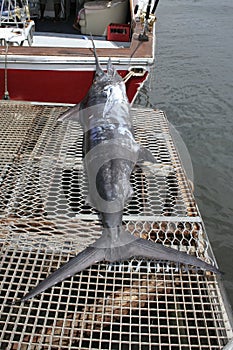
(145, 155)
(71, 114)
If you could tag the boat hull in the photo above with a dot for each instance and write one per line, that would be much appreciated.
(58, 86)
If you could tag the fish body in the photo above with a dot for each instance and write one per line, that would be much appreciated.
(110, 151)
(110, 154)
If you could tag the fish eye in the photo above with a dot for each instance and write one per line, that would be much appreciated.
(108, 89)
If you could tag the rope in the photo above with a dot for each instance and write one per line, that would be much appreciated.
(6, 95)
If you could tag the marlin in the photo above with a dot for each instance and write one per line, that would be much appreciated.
(110, 154)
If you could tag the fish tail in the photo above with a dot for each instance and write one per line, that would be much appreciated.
(148, 249)
(127, 246)
(84, 259)
(124, 247)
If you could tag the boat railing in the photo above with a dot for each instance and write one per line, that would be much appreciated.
(14, 13)
(15, 23)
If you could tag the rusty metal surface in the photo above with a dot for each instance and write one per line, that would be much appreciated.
(44, 220)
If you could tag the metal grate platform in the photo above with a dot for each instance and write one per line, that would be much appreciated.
(44, 220)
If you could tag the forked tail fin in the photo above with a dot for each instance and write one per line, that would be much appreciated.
(128, 246)
(86, 258)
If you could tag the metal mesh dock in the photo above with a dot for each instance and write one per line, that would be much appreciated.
(44, 221)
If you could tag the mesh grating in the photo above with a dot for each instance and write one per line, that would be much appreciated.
(44, 221)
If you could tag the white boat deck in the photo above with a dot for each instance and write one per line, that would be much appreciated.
(72, 40)
(14, 36)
